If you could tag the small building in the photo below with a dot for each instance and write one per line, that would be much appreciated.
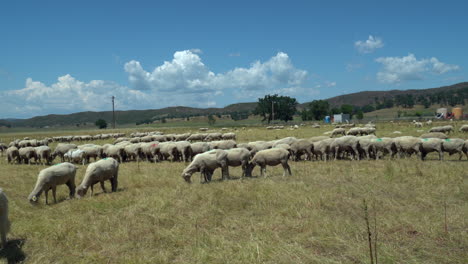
(341, 118)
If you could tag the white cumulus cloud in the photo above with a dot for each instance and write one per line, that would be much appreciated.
(369, 45)
(399, 69)
(185, 80)
(187, 74)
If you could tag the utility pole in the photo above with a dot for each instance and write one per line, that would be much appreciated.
(113, 112)
(272, 111)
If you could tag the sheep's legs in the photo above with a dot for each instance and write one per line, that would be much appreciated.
(102, 186)
(286, 168)
(47, 196)
(4, 239)
(263, 171)
(54, 193)
(71, 186)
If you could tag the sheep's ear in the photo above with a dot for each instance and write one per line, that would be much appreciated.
(34, 198)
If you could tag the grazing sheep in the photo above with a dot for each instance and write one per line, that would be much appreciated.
(431, 145)
(206, 163)
(230, 135)
(463, 128)
(62, 173)
(197, 137)
(26, 154)
(429, 122)
(182, 137)
(12, 154)
(271, 157)
(417, 124)
(301, 147)
(99, 171)
(168, 151)
(346, 144)
(133, 152)
(434, 135)
(61, 149)
(257, 146)
(117, 152)
(4, 221)
(92, 151)
(44, 154)
(384, 146)
(213, 136)
(199, 147)
(318, 138)
(75, 156)
(407, 145)
(150, 151)
(322, 148)
(239, 157)
(223, 144)
(185, 150)
(367, 145)
(338, 131)
(354, 131)
(286, 140)
(454, 145)
(443, 129)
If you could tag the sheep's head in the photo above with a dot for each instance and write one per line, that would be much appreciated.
(34, 199)
(187, 177)
(81, 191)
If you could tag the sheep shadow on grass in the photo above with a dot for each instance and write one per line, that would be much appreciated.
(12, 252)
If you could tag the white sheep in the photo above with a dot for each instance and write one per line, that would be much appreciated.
(99, 171)
(271, 157)
(62, 173)
(4, 221)
(206, 163)
(239, 157)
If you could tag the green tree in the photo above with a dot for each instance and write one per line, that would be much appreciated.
(335, 111)
(101, 123)
(368, 108)
(347, 109)
(360, 115)
(276, 107)
(211, 120)
(316, 110)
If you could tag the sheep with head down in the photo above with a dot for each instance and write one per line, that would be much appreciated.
(408, 145)
(453, 146)
(206, 163)
(431, 145)
(322, 148)
(50, 178)
(12, 154)
(301, 147)
(99, 172)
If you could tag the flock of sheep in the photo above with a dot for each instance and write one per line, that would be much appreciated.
(207, 152)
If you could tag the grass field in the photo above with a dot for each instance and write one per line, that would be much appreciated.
(314, 216)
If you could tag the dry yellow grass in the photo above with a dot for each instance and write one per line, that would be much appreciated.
(315, 216)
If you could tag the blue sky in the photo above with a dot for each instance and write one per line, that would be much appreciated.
(60, 57)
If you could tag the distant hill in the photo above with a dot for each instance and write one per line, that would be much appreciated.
(125, 117)
(142, 116)
(368, 97)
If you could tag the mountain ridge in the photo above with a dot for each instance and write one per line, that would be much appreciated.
(134, 116)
